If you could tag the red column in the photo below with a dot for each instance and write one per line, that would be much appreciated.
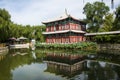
(82, 38)
(55, 38)
(46, 40)
(63, 39)
(47, 29)
(51, 28)
(70, 26)
(60, 27)
(60, 39)
(71, 39)
(76, 38)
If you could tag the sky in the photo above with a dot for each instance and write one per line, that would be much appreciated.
(33, 12)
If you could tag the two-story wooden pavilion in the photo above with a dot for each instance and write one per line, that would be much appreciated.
(65, 29)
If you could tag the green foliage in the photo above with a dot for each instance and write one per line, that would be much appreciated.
(107, 24)
(81, 46)
(28, 31)
(38, 33)
(107, 38)
(4, 24)
(8, 29)
(95, 13)
(116, 24)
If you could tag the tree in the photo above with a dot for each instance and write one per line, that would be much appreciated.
(107, 24)
(112, 3)
(116, 24)
(8, 29)
(4, 25)
(38, 33)
(94, 15)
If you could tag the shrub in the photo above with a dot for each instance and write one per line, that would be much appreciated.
(80, 45)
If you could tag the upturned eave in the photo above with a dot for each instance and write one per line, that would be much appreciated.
(64, 31)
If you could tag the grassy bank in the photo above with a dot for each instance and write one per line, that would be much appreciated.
(80, 46)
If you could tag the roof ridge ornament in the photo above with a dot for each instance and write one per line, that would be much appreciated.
(62, 17)
(66, 12)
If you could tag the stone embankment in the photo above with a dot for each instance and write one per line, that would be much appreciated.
(3, 49)
(109, 48)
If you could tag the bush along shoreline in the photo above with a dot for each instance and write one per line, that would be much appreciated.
(79, 46)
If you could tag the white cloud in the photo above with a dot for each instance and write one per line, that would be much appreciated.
(33, 12)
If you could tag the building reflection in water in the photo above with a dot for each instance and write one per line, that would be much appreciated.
(71, 66)
(78, 66)
(67, 65)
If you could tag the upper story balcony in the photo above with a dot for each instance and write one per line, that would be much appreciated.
(69, 26)
(64, 22)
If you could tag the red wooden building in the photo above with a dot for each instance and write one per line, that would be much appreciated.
(65, 29)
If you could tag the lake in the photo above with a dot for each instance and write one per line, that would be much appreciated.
(59, 65)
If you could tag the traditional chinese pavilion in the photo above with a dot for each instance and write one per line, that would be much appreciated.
(65, 29)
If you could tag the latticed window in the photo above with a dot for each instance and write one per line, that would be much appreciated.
(60, 27)
(49, 28)
(57, 27)
(67, 39)
(79, 27)
(67, 26)
(63, 27)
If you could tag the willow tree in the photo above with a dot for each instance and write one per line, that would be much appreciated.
(4, 25)
(95, 15)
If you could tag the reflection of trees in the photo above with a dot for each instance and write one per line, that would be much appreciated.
(68, 65)
(106, 57)
(110, 72)
(114, 58)
(10, 63)
(5, 69)
(97, 71)
(117, 70)
(19, 60)
(13, 61)
(2, 57)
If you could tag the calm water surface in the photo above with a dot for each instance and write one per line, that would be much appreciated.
(59, 65)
